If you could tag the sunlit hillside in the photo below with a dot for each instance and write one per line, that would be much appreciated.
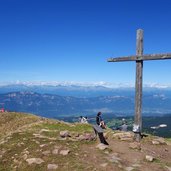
(29, 143)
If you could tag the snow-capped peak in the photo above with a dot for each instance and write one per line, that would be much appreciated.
(84, 84)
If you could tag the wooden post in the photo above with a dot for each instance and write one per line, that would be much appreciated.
(138, 84)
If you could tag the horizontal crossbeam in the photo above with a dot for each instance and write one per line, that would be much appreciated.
(140, 58)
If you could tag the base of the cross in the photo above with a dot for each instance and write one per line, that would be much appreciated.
(137, 137)
(137, 132)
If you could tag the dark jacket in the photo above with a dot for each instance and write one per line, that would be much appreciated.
(98, 119)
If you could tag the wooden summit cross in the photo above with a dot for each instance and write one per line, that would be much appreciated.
(139, 58)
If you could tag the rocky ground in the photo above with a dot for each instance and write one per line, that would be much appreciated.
(31, 143)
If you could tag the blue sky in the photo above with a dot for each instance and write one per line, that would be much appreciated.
(70, 40)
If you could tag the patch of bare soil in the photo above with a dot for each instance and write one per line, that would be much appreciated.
(119, 156)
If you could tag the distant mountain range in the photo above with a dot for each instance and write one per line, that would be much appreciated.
(63, 90)
(82, 84)
(120, 102)
(81, 89)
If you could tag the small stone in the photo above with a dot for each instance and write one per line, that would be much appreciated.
(37, 142)
(16, 161)
(81, 138)
(114, 159)
(129, 168)
(120, 166)
(102, 146)
(103, 164)
(135, 145)
(34, 161)
(52, 166)
(3, 142)
(166, 149)
(64, 152)
(149, 158)
(106, 152)
(38, 136)
(46, 152)
(64, 134)
(55, 151)
(44, 130)
(8, 138)
(168, 168)
(25, 156)
(155, 142)
(42, 145)
(136, 165)
(159, 141)
(27, 152)
(19, 145)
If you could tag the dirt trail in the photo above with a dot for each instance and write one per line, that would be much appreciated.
(120, 156)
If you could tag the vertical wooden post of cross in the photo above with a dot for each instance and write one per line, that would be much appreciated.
(138, 84)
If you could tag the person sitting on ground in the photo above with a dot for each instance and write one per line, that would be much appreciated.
(80, 119)
(84, 120)
(99, 120)
(124, 126)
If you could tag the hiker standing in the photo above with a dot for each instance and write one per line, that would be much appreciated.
(99, 120)
(98, 128)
